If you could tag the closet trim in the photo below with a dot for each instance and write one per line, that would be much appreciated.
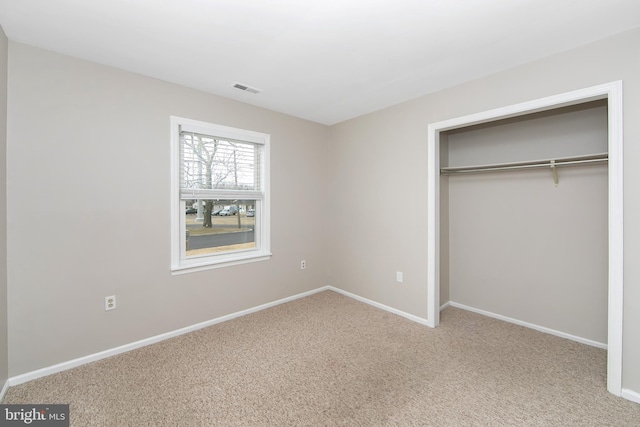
(612, 92)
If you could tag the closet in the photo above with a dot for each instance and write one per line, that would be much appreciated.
(524, 219)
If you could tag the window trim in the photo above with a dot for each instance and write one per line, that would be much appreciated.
(181, 264)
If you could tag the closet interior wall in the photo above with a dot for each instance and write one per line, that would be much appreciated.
(515, 244)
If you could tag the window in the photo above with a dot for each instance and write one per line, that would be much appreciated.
(220, 195)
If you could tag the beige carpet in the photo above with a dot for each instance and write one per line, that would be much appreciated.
(327, 360)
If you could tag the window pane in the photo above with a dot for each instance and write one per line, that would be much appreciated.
(216, 226)
(213, 163)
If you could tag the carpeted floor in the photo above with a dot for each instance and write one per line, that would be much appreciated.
(327, 360)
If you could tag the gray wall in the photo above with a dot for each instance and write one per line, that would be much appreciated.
(4, 352)
(518, 245)
(89, 205)
(377, 177)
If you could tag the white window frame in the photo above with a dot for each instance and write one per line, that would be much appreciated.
(180, 263)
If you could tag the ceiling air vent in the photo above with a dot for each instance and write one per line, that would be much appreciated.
(246, 88)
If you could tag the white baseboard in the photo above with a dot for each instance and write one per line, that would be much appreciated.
(19, 379)
(412, 317)
(631, 395)
(445, 305)
(531, 326)
(3, 392)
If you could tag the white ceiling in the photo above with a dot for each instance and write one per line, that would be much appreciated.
(326, 60)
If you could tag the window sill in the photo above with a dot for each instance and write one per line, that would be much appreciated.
(195, 265)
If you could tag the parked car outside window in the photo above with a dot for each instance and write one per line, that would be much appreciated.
(228, 210)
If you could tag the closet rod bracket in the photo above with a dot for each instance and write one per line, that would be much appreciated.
(554, 171)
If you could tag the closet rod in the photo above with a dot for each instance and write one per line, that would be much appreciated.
(598, 158)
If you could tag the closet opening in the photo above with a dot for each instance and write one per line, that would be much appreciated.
(536, 188)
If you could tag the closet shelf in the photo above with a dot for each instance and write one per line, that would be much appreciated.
(552, 164)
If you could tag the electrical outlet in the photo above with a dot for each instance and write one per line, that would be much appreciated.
(399, 276)
(303, 264)
(110, 303)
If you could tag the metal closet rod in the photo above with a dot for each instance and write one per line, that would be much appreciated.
(567, 161)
